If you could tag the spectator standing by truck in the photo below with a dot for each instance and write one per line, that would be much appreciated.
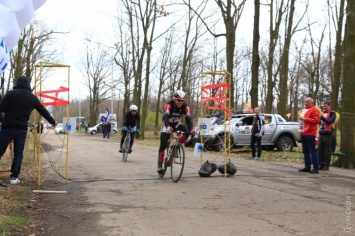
(257, 132)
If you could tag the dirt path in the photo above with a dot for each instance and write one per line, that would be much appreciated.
(109, 197)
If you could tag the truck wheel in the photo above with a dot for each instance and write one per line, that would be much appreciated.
(284, 143)
(218, 144)
(93, 132)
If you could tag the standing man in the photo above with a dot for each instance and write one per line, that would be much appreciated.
(325, 137)
(309, 120)
(17, 106)
(257, 132)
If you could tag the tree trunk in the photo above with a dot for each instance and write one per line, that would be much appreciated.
(254, 95)
(336, 80)
(283, 98)
(274, 36)
(348, 122)
(337, 59)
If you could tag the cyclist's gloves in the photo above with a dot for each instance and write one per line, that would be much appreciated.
(192, 132)
(138, 131)
(124, 128)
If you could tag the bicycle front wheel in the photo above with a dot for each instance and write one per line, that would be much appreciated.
(125, 150)
(178, 162)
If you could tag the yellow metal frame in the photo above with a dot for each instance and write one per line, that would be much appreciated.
(226, 94)
(37, 155)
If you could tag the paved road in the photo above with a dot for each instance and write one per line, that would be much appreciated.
(109, 197)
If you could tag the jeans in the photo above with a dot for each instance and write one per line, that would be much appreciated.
(309, 150)
(19, 138)
(257, 140)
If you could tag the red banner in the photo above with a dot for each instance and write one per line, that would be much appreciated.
(56, 101)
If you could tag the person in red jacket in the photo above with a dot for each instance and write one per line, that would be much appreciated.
(309, 121)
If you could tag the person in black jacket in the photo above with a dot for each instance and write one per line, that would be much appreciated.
(257, 132)
(131, 120)
(17, 105)
(326, 137)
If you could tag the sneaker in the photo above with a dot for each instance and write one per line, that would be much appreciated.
(252, 157)
(129, 151)
(120, 150)
(304, 170)
(314, 171)
(14, 180)
(257, 158)
(2, 184)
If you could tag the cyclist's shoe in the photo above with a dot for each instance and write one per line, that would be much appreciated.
(160, 168)
(129, 151)
(121, 150)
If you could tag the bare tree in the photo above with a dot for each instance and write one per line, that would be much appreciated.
(284, 61)
(312, 63)
(166, 54)
(33, 46)
(97, 69)
(338, 21)
(231, 13)
(273, 39)
(123, 59)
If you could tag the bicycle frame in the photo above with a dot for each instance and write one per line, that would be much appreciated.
(175, 158)
(126, 145)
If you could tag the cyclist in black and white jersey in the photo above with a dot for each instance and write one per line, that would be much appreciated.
(174, 109)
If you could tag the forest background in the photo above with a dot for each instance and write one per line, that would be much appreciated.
(277, 51)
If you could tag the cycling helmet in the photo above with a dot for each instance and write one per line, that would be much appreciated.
(133, 107)
(179, 94)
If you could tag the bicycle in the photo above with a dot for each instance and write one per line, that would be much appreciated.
(126, 145)
(175, 158)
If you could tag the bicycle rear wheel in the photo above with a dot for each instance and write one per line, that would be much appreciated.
(125, 149)
(178, 162)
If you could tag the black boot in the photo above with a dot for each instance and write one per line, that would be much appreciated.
(160, 168)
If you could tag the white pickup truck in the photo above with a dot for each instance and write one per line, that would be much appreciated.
(277, 133)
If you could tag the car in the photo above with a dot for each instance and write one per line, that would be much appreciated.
(98, 128)
(212, 121)
(278, 133)
(59, 128)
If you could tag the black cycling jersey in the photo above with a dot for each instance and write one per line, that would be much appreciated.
(130, 120)
(173, 114)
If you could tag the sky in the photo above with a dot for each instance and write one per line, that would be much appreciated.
(94, 19)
